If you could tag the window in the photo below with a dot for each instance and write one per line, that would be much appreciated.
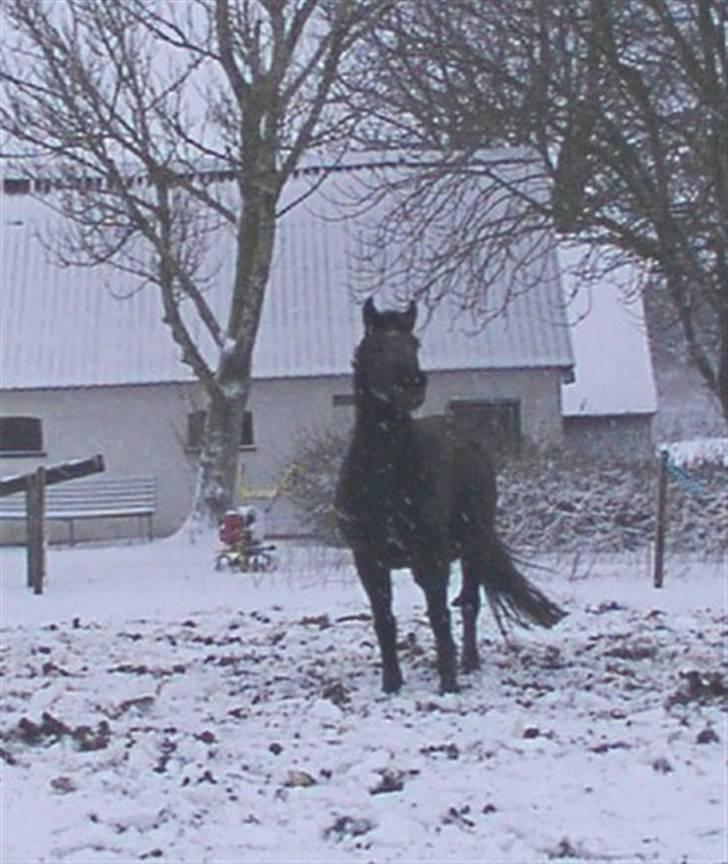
(343, 400)
(342, 414)
(21, 435)
(16, 186)
(246, 436)
(497, 422)
(196, 430)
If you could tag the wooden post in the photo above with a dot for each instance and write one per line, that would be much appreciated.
(35, 509)
(34, 487)
(661, 520)
(31, 525)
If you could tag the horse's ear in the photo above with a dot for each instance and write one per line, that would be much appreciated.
(370, 315)
(410, 316)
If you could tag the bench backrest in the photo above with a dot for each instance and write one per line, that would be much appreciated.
(108, 494)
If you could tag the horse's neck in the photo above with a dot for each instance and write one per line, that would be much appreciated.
(379, 428)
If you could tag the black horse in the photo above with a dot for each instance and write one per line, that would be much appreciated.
(418, 493)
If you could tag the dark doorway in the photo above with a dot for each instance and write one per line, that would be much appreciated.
(495, 422)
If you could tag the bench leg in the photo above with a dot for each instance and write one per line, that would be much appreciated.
(71, 532)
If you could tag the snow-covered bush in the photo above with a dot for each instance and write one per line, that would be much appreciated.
(555, 500)
(316, 461)
(698, 451)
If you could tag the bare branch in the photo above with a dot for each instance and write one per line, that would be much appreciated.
(623, 106)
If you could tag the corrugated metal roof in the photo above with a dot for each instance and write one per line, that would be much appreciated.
(70, 327)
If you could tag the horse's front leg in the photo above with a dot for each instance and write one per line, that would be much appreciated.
(433, 577)
(377, 582)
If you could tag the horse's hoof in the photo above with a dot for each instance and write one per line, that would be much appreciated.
(449, 687)
(390, 689)
(393, 684)
(470, 664)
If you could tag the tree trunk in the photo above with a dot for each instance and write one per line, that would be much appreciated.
(218, 471)
(722, 376)
(218, 468)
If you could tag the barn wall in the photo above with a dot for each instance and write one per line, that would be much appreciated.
(537, 391)
(626, 437)
(142, 430)
(286, 410)
(138, 430)
(686, 408)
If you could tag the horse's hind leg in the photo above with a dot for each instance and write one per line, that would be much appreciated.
(469, 602)
(377, 583)
(433, 581)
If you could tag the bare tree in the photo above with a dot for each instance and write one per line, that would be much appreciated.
(139, 109)
(622, 110)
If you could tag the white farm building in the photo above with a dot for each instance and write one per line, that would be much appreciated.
(87, 365)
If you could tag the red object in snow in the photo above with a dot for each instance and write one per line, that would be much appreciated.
(232, 528)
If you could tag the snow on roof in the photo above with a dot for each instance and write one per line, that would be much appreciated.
(613, 367)
(93, 326)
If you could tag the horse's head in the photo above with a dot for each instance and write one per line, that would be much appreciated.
(386, 366)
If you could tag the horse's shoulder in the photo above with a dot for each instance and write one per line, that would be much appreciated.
(435, 428)
(442, 431)
(434, 450)
(439, 435)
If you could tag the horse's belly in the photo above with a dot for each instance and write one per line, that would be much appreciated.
(379, 537)
(395, 542)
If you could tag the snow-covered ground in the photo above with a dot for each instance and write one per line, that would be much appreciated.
(153, 709)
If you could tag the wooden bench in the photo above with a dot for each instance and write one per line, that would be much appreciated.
(107, 498)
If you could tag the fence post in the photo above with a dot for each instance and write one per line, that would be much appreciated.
(661, 520)
(35, 510)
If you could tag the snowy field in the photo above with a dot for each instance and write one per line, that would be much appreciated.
(153, 709)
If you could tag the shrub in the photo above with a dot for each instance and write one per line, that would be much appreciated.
(316, 462)
(550, 500)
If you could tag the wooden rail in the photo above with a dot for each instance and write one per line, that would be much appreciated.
(54, 474)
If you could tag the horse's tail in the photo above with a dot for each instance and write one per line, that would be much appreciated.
(511, 596)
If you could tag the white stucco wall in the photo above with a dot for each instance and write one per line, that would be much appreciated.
(623, 438)
(138, 430)
(142, 430)
(537, 390)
